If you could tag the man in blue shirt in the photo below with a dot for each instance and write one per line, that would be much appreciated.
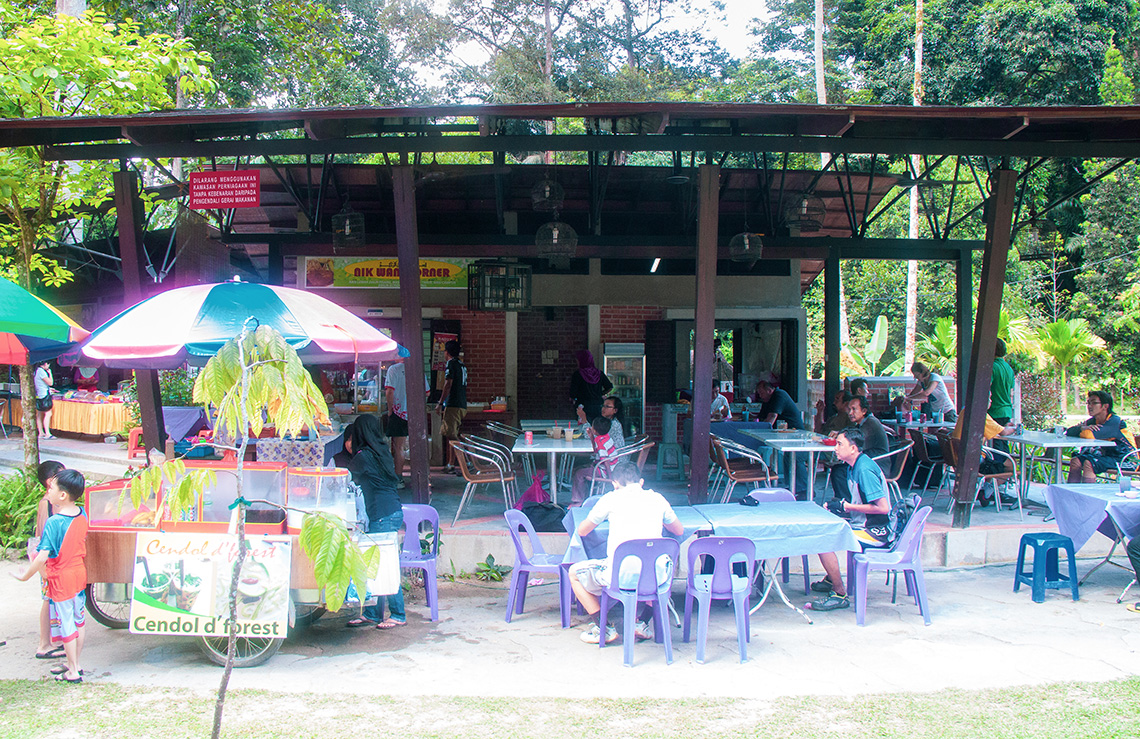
(868, 513)
(779, 406)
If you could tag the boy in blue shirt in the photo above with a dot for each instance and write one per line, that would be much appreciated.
(868, 511)
(60, 556)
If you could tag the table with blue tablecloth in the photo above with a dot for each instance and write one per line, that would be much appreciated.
(593, 546)
(1082, 509)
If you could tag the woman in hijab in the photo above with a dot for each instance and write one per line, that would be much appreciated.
(588, 386)
(372, 469)
(344, 456)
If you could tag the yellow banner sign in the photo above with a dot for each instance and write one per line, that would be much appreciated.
(182, 582)
(378, 272)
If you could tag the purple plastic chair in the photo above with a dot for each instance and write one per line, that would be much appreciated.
(412, 557)
(904, 556)
(784, 496)
(538, 561)
(722, 584)
(647, 590)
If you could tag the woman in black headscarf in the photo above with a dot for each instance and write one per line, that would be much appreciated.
(588, 385)
(373, 470)
(344, 456)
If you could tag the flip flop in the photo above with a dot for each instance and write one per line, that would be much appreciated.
(61, 669)
(390, 624)
(65, 679)
(355, 623)
(53, 653)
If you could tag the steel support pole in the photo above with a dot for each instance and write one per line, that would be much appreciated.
(831, 347)
(704, 328)
(129, 211)
(977, 388)
(411, 318)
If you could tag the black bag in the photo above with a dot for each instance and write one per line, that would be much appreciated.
(544, 516)
(900, 514)
(44, 404)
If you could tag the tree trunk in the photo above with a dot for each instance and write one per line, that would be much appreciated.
(70, 7)
(27, 388)
(912, 230)
(548, 77)
(1064, 394)
(820, 78)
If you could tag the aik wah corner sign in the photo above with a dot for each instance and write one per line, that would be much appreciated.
(326, 272)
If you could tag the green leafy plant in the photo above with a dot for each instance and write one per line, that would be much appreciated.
(19, 494)
(1065, 342)
(939, 349)
(491, 572)
(1038, 400)
(176, 386)
(867, 361)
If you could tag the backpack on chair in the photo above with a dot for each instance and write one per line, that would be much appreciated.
(899, 516)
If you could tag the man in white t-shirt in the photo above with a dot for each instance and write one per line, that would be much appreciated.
(396, 395)
(721, 410)
(633, 513)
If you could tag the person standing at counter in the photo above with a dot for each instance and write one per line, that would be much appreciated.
(372, 469)
(929, 393)
(452, 401)
(396, 396)
(42, 380)
(588, 386)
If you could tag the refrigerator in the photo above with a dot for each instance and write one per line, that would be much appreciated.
(624, 364)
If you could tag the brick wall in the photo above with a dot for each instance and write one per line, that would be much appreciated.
(544, 389)
(483, 335)
(626, 323)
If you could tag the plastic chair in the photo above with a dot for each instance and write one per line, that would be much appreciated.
(135, 446)
(784, 496)
(897, 459)
(648, 551)
(722, 584)
(1047, 547)
(412, 555)
(492, 472)
(537, 561)
(905, 556)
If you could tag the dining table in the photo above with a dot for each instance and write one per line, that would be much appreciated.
(795, 442)
(779, 530)
(1083, 509)
(543, 444)
(1047, 440)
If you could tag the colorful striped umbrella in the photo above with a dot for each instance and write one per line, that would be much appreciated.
(190, 324)
(31, 329)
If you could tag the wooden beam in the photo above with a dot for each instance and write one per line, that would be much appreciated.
(708, 192)
(998, 233)
(964, 315)
(831, 347)
(411, 318)
(276, 265)
(129, 212)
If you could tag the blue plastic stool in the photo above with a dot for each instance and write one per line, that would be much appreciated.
(1046, 567)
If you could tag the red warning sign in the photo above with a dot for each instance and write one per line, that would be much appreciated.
(238, 189)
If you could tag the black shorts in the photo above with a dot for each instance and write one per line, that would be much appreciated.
(396, 426)
(44, 404)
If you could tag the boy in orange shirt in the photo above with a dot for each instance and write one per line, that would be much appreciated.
(60, 556)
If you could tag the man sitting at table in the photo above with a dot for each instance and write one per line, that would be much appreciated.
(839, 421)
(875, 445)
(633, 513)
(868, 513)
(859, 387)
(1102, 423)
(779, 406)
(721, 410)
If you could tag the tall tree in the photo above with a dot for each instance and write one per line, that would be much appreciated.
(65, 66)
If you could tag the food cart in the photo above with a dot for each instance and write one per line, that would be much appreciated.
(155, 574)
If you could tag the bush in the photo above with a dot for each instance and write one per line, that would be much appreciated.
(19, 494)
(176, 386)
(1040, 407)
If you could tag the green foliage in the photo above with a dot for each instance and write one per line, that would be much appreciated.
(337, 560)
(1038, 400)
(1116, 86)
(868, 360)
(176, 387)
(939, 349)
(491, 572)
(19, 495)
(1065, 342)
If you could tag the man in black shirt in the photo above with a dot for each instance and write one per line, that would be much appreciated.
(452, 400)
(779, 406)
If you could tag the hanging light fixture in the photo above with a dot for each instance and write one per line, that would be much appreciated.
(805, 213)
(1042, 240)
(348, 228)
(547, 195)
(557, 242)
(745, 247)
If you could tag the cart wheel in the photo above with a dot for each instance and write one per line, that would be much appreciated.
(305, 616)
(109, 603)
(248, 651)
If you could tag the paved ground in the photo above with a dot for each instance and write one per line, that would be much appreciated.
(983, 635)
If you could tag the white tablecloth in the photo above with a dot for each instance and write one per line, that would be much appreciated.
(1081, 508)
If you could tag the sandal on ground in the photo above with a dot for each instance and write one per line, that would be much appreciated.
(62, 669)
(53, 653)
(390, 624)
(65, 679)
(822, 586)
(830, 603)
(355, 623)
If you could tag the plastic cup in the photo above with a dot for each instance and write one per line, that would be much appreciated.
(529, 436)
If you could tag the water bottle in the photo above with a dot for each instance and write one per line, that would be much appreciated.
(1125, 484)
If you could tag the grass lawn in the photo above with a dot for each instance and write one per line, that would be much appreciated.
(1065, 711)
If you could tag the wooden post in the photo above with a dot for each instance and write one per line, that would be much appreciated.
(831, 347)
(411, 318)
(276, 265)
(128, 210)
(704, 327)
(964, 302)
(977, 389)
